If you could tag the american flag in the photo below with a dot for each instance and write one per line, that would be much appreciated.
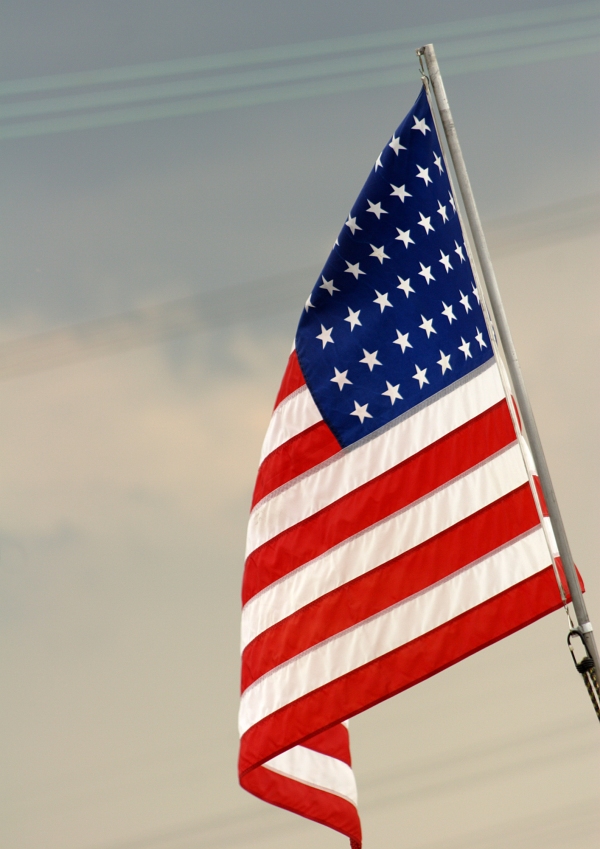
(394, 527)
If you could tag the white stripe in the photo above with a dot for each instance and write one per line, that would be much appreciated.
(547, 522)
(399, 532)
(394, 627)
(528, 456)
(354, 467)
(316, 770)
(295, 413)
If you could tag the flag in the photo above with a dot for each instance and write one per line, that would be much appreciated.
(395, 526)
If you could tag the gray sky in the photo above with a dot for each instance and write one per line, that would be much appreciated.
(126, 478)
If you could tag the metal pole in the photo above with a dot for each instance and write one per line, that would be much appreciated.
(583, 620)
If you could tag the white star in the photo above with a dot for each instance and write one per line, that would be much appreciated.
(402, 340)
(476, 293)
(328, 284)
(451, 200)
(447, 311)
(399, 192)
(308, 305)
(424, 175)
(442, 211)
(465, 302)
(459, 251)
(352, 225)
(353, 319)
(427, 326)
(404, 236)
(405, 285)
(340, 378)
(445, 260)
(426, 273)
(353, 269)
(479, 338)
(370, 359)
(465, 348)
(382, 300)
(420, 125)
(392, 392)
(395, 145)
(444, 362)
(376, 209)
(379, 163)
(438, 161)
(420, 376)
(325, 335)
(425, 223)
(361, 412)
(379, 253)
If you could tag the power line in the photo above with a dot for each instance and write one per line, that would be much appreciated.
(303, 50)
(291, 72)
(211, 84)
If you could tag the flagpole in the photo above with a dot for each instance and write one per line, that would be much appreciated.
(583, 620)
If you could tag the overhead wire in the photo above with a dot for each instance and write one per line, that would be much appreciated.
(297, 72)
(303, 50)
(292, 72)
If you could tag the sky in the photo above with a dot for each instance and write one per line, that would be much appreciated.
(131, 428)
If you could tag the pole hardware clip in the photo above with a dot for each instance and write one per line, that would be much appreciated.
(585, 666)
(586, 663)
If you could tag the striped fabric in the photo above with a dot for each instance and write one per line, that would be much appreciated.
(370, 569)
(375, 562)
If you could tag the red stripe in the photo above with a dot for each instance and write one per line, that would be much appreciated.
(517, 414)
(540, 493)
(557, 560)
(317, 805)
(417, 476)
(404, 667)
(334, 742)
(292, 379)
(296, 456)
(409, 573)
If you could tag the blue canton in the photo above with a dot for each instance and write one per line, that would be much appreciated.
(394, 317)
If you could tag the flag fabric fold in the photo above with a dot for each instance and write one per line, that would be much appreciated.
(394, 528)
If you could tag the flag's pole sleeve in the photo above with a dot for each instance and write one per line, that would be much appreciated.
(583, 620)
